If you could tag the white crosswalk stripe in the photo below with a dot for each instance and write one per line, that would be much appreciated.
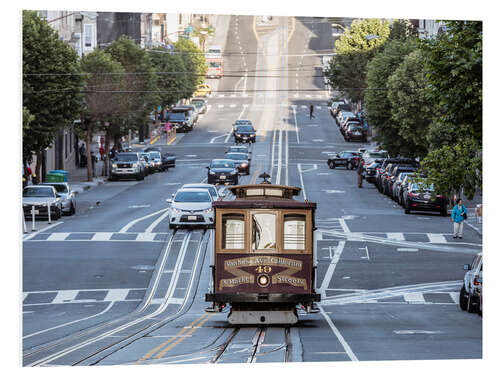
(88, 295)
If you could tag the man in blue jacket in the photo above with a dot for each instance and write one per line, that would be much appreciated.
(458, 216)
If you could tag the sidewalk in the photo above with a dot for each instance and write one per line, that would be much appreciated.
(77, 178)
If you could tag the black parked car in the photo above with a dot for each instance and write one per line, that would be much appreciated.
(400, 168)
(371, 171)
(349, 159)
(339, 106)
(240, 161)
(222, 171)
(382, 170)
(181, 119)
(244, 133)
(403, 186)
(355, 132)
(167, 159)
(416, 198)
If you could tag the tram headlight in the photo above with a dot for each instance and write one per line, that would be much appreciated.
(263, 280)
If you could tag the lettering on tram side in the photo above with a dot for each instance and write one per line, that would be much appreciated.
(234, 266)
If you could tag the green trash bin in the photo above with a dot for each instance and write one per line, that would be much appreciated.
(54, 177)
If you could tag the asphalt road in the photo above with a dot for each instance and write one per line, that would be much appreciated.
(113, 285)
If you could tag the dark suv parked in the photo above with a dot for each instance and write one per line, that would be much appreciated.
(349, 159)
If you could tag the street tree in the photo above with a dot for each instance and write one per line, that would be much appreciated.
(354, 49)
(377, 104)
(171, 75)
(51, 85)
(453, 62)
(140, 95)
(410, 108)
(194, 61)
(104, 80)
(402, 29)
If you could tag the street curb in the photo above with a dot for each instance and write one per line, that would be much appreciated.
(172, 140)
(477, 230)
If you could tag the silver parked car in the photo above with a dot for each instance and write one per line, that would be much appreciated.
(469, 297)
(68, 197)
(40, 197)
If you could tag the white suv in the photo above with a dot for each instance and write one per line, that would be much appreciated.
(469, 297)
(191, 207)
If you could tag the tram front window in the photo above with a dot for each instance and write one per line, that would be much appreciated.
(294, 232)
(233, 231)
(263, 231)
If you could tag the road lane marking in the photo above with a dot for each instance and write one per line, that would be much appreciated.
(58, 236)
(344, 344)
(146, 237)
(101, 236)
(133, 222)
(72, 322)
(157, 221)
(296, 124)
(414, 297)
(65, 295)
(331, 268)
(31, 235)
(407, 249)
(395, 236)
(436, 238)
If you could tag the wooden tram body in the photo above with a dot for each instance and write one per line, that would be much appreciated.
(263, 260)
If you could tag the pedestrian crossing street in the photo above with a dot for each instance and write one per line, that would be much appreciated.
(256, 107)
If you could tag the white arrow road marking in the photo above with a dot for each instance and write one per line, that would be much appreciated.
(219, 136)
(133, 222)
(157, 221)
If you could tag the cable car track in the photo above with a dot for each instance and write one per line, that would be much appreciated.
(137, 320)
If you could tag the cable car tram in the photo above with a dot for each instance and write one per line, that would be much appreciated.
(263, 261)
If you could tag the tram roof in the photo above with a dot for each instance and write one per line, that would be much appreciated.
(264, 191)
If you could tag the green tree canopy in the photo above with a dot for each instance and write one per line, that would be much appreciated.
(411, 110)
(172, 78)
(141, 94)
(453, 63)
(194, 61)
(354, 49)
(377, 104)
(52, 84)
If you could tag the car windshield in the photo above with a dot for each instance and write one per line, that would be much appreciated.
(38, 192)
(198, 104)
(222, 164)
(60, 188)
(211, 189)
(192, 196)
(237, 156)
(126, 157)
(176, 116)
(355, 127)
(418, 186)
(245, 128)
(242, 122)
(238, 149)
(155, 155)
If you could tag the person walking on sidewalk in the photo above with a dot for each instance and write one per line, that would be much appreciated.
(311, 110)
(101, 152)
(361, 171)
(458, 215)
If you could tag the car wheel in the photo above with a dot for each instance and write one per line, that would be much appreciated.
(471, 304)
(331, 164)
(171, 226)
(407, 209)
(349, 166)
(462, 300)
(72, 210)
(112, 177)
(57, 213)
(138, 177)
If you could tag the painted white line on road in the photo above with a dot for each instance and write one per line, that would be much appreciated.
(414, 297)
(296, 124)
(344, 344)
(455, 296)
(146, 237)
(157, 221)
(220, 106)
(395, 236)
(114, 295)
(407, 249)
(58, 236)
(413, 332)
(133, 222)
(140, 206)
(331, 268)
(436, 238)
(65, 295)
(101, 236)
(220, 136)
(68, 323)
(334, 191)
(30, 236)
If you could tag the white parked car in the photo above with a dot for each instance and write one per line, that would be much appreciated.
(68, 196)
(191, 207)
(40, 197)
(469, 296)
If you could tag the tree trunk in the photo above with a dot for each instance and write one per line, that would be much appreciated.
(38, 168)
(107, 141)
(88, 142)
